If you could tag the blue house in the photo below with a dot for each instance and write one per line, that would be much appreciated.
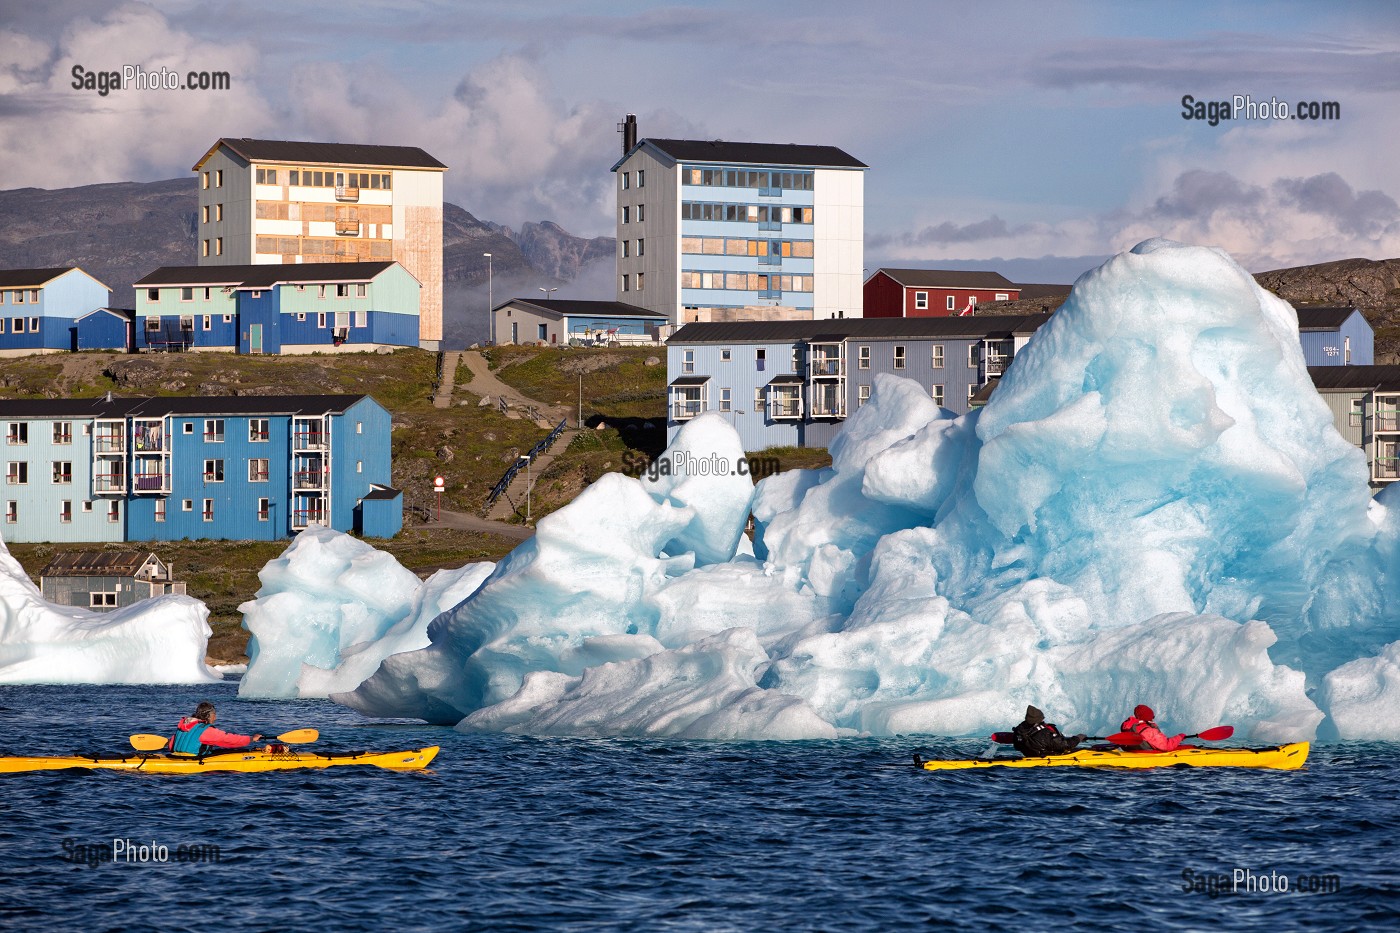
(106, 329)
(586, 323)
(39, 308)
(152, 469)
(1336, 337)
(322, 307)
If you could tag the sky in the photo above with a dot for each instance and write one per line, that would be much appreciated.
(1030, 138)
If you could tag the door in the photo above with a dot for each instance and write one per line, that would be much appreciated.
(514, 332)
(255, 338)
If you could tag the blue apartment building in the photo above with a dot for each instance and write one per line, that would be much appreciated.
(1336, 337)
(40, 308)
(165, 469)
(321, 307)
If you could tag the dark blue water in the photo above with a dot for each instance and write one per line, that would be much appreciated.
(512, 833)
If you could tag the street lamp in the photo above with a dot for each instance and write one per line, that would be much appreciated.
(548, 291)
(526, 458)
(490, 304)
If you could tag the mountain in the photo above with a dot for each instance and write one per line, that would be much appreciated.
(119, 232)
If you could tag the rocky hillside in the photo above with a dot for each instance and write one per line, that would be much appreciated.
(119, 232)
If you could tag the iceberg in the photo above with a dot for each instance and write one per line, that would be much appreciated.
(155, 641)
(332, 607)
(1154, 507)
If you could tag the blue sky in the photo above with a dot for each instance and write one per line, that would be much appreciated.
(1037, 134)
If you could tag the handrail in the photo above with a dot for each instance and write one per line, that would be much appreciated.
(541, 447)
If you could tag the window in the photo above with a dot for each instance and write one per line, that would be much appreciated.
(204, 247)
(938, 356)
(626, 214)
(626, 181)
(626, 248)
(34, 325)
(641, 178)
(208, 322)
(208, 510)
(17, 325)
(257, 430)
(921, 301)
(152, 325)
(153, 294)
(760, 358)
(725, 355)
(687, 361)
(542, 332)
(264, 506)
(218, 178)
(228, 318)
(937, 393)
(65, 511)
(255, 294)
(17, 297)
(207, 294)
(18, 433)
(971, 390)
(626, 284)
(187, 505)
(218, 212)
(641, 280)
(359, 427)
(11, 512)
(258, 470)
(1003, 296)
(321, 319)
(204, 180)
(114, 512)
(189, 427)
(864, 361)
(361, 318)
(63, 432)
(862, 395)
(17, 473)
(218, 246)
(87, 506)
(160, 510)
(102, 600)
(342, 291)
(63, 473)
(758, 399)
(950, 302)
(361, 290)
(267, 176)
(1358, 412)
(726, 396)
(641, 212)
(214, 430)
(359, 466)
(898, 357)
(641, 247)
(213, 471)
(320, 291)
(972, 355)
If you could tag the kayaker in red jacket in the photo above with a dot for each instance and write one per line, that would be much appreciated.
(1154, 738)
(192, 733)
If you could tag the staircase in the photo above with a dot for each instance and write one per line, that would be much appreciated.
(443, 397)
(513, 499)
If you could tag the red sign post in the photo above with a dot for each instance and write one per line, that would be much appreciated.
(438, 484)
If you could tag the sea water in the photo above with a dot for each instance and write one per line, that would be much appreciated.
(517, 833)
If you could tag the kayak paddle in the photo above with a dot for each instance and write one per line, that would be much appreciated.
(1209, 735)
(145, 742)
(1009, 738)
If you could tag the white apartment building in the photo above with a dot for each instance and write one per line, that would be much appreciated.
(708, 229)
(274, 201)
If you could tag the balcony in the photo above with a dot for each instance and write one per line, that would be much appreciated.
(824, 367)
(109, 483)
(685, 409)
(785, 409)
(347, 228)
(109, 443)
(996, 365)
(151, 482)
(309, 479)
(1387, 468)
(309, 440)
(347, 192)
(775, 225)
(303, 518)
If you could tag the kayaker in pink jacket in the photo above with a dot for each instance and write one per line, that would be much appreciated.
(192, 733)
(1141, 722)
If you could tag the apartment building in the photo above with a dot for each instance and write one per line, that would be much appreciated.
(321, 307)
(265, 201)
(151, 469)
(1365, 404)
(706, 226)
(40, 308)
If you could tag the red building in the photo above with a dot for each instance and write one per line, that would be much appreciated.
(932, 292)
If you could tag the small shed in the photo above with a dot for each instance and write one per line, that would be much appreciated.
(106, 329)
(380, 512)
(106, 580)
(578, 323)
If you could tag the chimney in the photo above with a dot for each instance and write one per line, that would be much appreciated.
(628, 129)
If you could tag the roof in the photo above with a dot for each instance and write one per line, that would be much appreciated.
(1323, 318)
(126, 314)
(35, 278)
(96, 564)
(382, 492)
(950, 278)
(786, 379)
(719, 150)
(1386, 378)
(264, 275)
(145, 407)
(303, 153)
(690, 380)
(982, 326)
(569, 308)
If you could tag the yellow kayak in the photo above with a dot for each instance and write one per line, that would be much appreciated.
(1281, 757)
(241, 760)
